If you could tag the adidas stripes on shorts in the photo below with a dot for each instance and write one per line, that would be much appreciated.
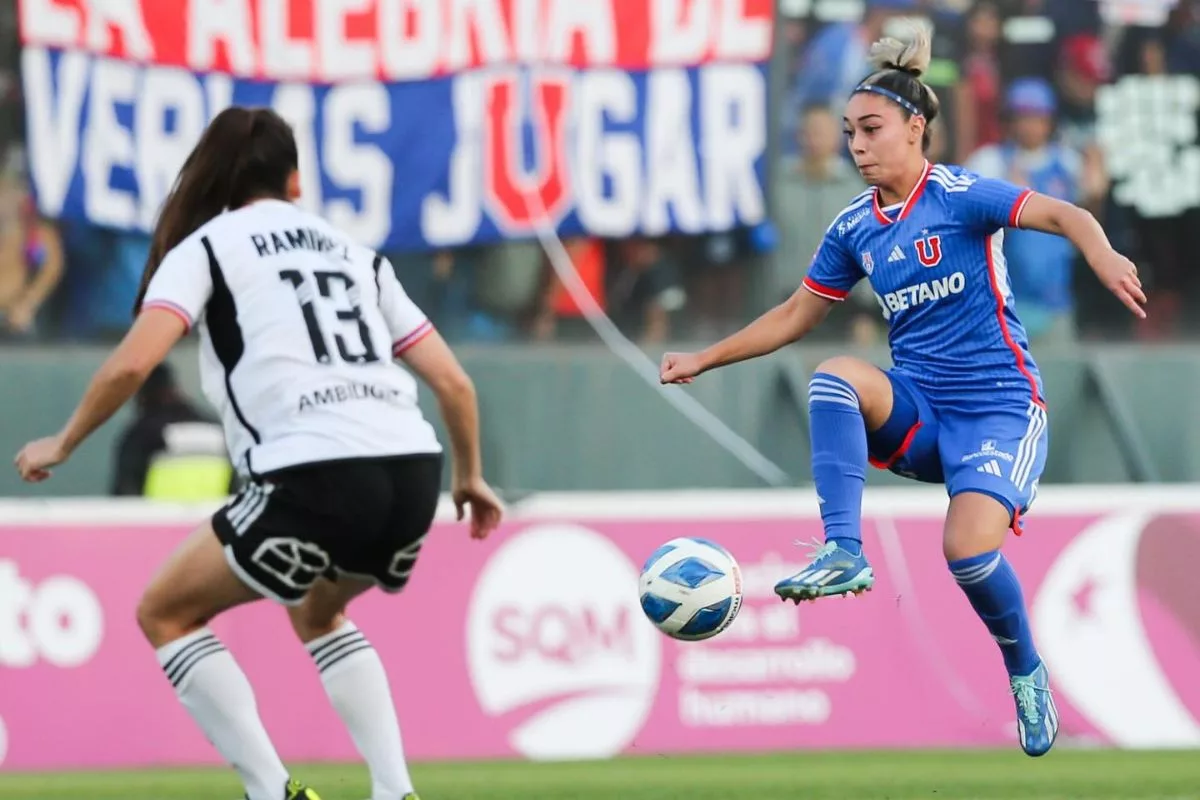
(361, 517)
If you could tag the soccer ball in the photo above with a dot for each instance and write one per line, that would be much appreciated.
(691, 589)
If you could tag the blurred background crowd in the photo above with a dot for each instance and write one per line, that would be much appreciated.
(1087, 100)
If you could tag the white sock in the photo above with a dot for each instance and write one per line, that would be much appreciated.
(358, 688)
(215, 691)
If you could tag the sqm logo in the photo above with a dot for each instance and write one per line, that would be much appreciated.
(59, 620)
(555, 640)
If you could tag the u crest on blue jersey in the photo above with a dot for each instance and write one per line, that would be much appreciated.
(868, 263)
(929, 250)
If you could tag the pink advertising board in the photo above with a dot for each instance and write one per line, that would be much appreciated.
(532, 644)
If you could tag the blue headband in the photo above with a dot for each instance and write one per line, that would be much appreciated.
(889, 94)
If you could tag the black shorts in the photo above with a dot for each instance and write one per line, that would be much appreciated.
(361, 517)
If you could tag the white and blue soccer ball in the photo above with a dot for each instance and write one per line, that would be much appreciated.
(691, 588)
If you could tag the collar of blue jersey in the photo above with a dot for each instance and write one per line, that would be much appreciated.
(907, 204)
(889, 94)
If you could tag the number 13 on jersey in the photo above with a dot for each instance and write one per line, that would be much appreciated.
(346, 309)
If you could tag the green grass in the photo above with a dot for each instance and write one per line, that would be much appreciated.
(959, 775)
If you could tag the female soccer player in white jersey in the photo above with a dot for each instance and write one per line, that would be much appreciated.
(298, 328)
(963, 403)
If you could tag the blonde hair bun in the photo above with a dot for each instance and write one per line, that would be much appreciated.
(911, 56)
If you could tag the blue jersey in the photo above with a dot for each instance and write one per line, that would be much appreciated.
(936, 264)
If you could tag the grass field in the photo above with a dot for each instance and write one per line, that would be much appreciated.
(1063, 775)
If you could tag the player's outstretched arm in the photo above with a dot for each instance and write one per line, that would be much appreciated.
(1115, 271)
(434, 362)
(785, 323)
(152, 336)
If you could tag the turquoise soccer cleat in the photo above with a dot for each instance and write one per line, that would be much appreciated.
(832, 571)
(1037, 716)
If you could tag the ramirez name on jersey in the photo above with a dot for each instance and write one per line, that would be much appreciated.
(274, 243)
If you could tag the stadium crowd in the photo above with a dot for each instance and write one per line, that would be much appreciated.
(1090, 100)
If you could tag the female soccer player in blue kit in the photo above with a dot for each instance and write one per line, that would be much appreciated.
(963, 403)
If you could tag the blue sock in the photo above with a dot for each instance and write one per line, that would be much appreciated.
(839, 457)
(995, 593)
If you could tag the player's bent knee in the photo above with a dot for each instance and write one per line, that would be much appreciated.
(311, 622)
(324, 608)
(976, 523)
(870, 383)
(147, 618)
(845, 367)
(158, 624)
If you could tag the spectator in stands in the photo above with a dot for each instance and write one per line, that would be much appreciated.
(977, 107)
(716, 272)
(464, 286)
(1182, 35)
(31, 260)
(645, 291)
(1040, 265)
(811, 190)
(170, 451)
(506, 288)
(452, 275)
(556, 314)
(1168, 241)
(835, 60)
(790, 60)
(95, 298)
(1083, 67)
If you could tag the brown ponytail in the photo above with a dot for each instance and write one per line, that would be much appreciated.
(243, 155)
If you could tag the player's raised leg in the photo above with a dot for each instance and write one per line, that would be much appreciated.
(356, 682)
(846, 397)
(984, 495)
(193, 586)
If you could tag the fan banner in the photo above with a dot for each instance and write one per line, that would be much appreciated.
(421, 124)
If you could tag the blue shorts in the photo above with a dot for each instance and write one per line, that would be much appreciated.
(999, 451)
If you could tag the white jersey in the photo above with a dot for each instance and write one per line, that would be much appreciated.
(298, 329)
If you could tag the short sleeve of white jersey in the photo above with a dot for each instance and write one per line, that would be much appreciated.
(407, 323)
(182, 283)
